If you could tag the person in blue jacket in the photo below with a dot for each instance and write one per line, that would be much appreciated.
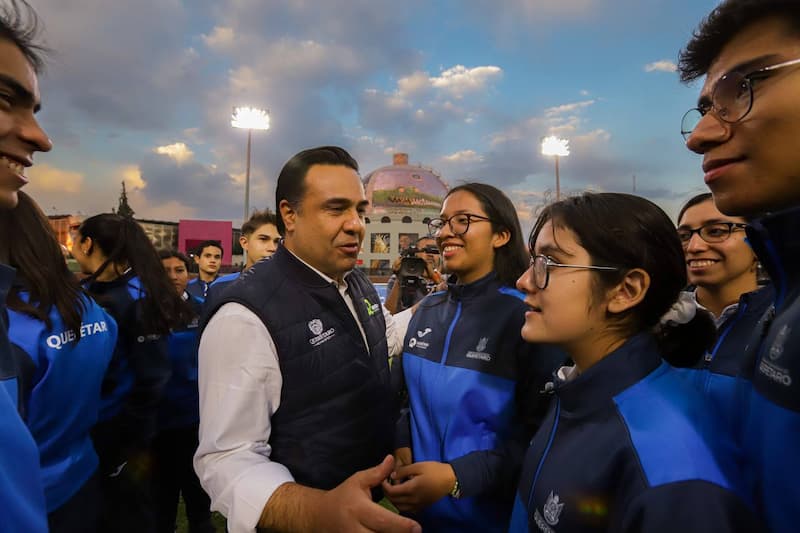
(259, 239)
(722, 271)
(628, 444)
(745, 126)
(69, 340)
(22, 506)
(208, 260)
(179, 417)
(126, 277)
(473, 384)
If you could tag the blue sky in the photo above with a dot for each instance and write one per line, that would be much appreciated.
(142, 92)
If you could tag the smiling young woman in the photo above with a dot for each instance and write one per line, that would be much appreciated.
(473, 384)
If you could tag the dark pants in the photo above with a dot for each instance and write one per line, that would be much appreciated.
(173, 475)
(80, 514)
(125, 484)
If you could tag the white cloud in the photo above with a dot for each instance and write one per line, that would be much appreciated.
(132, 176)
(464, 156)
(459, 79)
(177, 151)
(567, 108)
(415, 83)
(220, 38)
(661, 66)
(47, 178)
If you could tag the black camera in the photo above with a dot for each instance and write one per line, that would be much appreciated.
(412, 266)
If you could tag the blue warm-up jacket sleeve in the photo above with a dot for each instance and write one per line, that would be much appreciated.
(689, 506)
(497, 470)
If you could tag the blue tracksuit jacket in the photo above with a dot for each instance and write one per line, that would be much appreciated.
(218, 286)
(724, 373)
(771, 436)
(474, 395)
(65, 397)
(22, 506)
(630, 445)
(199, 288)
(180, 406)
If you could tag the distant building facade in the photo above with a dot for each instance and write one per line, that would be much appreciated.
(403, 198)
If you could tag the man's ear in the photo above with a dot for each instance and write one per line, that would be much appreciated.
(630, 291)
(288, 214)
(243, 242)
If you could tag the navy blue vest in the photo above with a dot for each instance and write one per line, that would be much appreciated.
(336, 414)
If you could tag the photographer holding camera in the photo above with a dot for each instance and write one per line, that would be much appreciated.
(415, 275)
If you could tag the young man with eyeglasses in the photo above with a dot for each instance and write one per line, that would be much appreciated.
(746, 126)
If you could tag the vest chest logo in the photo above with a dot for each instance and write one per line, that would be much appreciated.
(768, 365)
(315, 326)
(479, 352)
(552, 513)
(371, 307)
(320, 336)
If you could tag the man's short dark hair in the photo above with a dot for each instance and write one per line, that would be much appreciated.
(169, 254)
(20, 24)
(424, 238)
(724, 23)
(205, 244)
(258, 219)
(291, 181)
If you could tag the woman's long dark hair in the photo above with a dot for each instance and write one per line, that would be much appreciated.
(511, 259)
(123, 241)
(39, 260)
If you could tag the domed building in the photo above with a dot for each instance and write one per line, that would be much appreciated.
(402, 199)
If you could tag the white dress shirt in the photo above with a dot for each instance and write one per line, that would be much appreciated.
(240, 389)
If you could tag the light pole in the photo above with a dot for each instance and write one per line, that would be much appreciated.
(249, 118)
(557, 147)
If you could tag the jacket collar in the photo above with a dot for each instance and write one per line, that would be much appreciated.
(302, 271)
(622, 368)
(476, 288)
(776, 240)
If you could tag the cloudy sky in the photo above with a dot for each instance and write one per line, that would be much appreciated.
(142, 92)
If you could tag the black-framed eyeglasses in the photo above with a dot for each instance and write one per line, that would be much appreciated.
(459, 224)
(541, 264)
(731, 98)
(711, 233)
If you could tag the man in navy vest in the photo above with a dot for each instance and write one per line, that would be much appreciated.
(21, 496)
(745, 125)
(296, 406)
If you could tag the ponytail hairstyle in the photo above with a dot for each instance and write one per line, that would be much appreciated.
(123, 242)
(511, 259)
(627, 232)
(39, 260)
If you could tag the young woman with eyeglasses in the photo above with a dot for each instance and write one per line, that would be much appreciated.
(125, 275)
(628, 444)
(473, 385)
(722, 271)
(68, 340)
